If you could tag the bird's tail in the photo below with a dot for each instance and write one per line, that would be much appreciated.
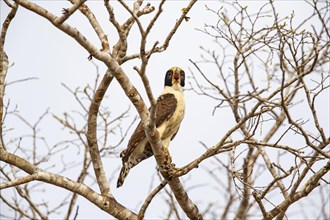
(130, 163)
(122, 175)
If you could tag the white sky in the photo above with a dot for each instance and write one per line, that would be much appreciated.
(39, 50)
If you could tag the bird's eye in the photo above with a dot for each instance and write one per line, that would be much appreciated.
(182, 72)
(169, 73)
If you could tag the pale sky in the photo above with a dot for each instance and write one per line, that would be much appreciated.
(37, 49)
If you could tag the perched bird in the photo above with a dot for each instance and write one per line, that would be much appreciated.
(168, 116)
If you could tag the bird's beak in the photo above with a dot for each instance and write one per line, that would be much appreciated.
(176, 75)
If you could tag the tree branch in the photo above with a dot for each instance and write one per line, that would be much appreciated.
(107, 204)
(92, 134)
(4, 62)
(309, 186)
(68, 12)
(148, 200)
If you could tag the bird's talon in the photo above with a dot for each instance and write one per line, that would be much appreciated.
(173, 171)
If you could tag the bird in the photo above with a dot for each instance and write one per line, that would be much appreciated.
(169, 112)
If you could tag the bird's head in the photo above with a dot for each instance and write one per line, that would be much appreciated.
(175, 77)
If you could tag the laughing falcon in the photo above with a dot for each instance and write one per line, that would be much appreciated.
(169, 114)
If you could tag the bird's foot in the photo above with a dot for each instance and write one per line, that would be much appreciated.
(167, 160)
(173, 171)
(169, 167)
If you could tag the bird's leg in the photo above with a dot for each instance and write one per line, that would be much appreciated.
(167, 160)
(167, 164)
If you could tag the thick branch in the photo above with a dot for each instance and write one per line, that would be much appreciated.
(92, 134)
(95, 24)
(19, 181)
(164, 161)
(66, 28)
(68, 12)
(4, 60)
(107, 204)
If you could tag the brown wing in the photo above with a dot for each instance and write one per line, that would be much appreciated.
(165, 107)
(137, 136)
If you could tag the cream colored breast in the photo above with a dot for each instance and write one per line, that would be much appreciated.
(170, 127)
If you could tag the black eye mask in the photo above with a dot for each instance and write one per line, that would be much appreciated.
(169, 75)
(168, 78)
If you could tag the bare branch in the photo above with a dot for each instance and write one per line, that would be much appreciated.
(149, 199)
(92, 135)
(4, 59)
(68, 12)
(309, 186)
(106, 204)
